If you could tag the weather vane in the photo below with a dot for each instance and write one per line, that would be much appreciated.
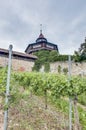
(40, 28)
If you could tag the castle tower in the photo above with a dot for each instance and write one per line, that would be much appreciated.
(41, 43)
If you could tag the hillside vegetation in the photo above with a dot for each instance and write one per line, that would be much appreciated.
(47, 57)
(39, 101)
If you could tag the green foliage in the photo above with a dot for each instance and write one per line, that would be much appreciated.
(3, 79)
(65, 70)
(82, 115)
(80, 55)
(46, 57)
(82, 50)
(53, 56)
(47, 67)
(55, 85)
(82, 98)
(42, 59)
(61, 104)
(76, 86)
(37, 65)
(59, 69)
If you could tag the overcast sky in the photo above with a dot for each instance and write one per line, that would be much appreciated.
(64, 23)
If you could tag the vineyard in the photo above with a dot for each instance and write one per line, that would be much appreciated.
(40, 101)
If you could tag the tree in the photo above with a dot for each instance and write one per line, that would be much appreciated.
(46, 57)
(43, 57)
(53, 56)
(82, 49)
(80, 55)
(76, 56)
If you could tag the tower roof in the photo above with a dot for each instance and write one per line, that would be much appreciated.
(41, 43)
(41, 37)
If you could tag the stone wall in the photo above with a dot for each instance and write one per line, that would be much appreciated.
(3, 61)
(22, 65)
(76, 68)
(18, 64)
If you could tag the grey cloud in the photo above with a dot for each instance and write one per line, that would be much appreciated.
(64, 23)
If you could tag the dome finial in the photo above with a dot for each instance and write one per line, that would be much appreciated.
(40, 28)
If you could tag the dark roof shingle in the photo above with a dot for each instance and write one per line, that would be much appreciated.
(20, 54)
